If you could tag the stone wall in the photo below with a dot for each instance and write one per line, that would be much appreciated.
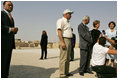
(36, 43)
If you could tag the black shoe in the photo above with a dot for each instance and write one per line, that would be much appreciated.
(4, 76)
(99, 75)
(69, 74)
(71, 60)
(41, 58)
(90, 72)
(81, 73)
(64, 77)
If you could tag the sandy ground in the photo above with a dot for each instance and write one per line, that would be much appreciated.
(26, 63)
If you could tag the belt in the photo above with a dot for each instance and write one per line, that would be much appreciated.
(67, 38)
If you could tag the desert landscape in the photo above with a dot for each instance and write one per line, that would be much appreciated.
(26, 63)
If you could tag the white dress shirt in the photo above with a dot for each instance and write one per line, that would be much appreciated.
(7, 12)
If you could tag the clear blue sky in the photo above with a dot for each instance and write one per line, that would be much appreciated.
(34, 16)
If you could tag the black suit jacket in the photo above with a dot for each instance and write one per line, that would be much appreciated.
(44, 41)
(74, 40)
(7, 39)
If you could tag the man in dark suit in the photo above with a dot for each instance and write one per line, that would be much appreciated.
(84, 44)
(7, 37)
(73, 41)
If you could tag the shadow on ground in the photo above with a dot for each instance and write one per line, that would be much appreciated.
(53, 57)
(76, 59)
(75, 71)
(24, 71)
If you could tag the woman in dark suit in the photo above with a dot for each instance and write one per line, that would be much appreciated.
(43, 43)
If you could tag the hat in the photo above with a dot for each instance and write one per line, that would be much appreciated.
(67, 11)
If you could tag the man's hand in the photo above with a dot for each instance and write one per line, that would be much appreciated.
(14, 30)
(110, 40)
(89, 44)
(63, 45)
(106, 37)
(110, 47)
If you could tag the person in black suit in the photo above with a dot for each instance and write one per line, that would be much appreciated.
(43, 43)
(85, 41)
(7, 37)
(73, 41)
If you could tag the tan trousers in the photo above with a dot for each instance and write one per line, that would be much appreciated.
(64, 57)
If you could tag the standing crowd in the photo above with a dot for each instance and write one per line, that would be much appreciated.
(95, 46)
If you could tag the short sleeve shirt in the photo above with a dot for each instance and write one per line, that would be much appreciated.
(95, 35)
(64, 25)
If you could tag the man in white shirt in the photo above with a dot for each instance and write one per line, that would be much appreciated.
(65, 35)
(98, 59)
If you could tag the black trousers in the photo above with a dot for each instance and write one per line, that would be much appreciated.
(5, 61)
(43, 49)
(85, 56)
(72, 54)
(105, 71)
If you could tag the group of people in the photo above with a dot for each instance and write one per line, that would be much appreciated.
(8, 31)
(44, 43)
(92, 44)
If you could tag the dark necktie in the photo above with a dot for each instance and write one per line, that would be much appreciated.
(10, 17)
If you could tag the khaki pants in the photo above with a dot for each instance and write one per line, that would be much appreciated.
(64, 57)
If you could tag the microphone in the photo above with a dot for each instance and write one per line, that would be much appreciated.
(103, 32)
